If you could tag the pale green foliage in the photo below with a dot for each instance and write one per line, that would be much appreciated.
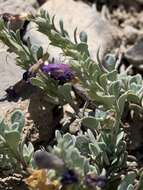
(14, 153)
(127, 182)
(73, 158)
(103, 86)
(25, 56)
(104, 142)
(60, 37)
(57, 94)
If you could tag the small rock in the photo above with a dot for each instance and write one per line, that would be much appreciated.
(140, 1)
(41, 2)
(131, 34)
(101, 33)
(135, 54)
(9, 72)
(16, 6)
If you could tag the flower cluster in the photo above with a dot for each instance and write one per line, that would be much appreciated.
(61, 72)
(69, 177)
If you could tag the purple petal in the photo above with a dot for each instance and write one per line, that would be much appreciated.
(54, 67)
(60, 72)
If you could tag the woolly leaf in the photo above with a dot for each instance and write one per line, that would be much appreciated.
(129, 179)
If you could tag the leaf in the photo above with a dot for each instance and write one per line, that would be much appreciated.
(91, 136)
(105, 158)
(114, 161)
(115, 88)
(119, 138)
(141, 181)
(112, 76)
(63, 32)
(106, 100)
(18, 117)
(133, 98)
(130, 187)
(60, 41)
(105, 138)
(28, 152)
(15, 126)
(135, 87)
(83, 37)
(65, 93)
(90, 123)
(58, 136)
(61, 26)
(123, 160)
(75, 35)
(128, 180)
(40, 53)
(38, 82)
(2, 127)
(110, 62)
(136, 79)
(95, 149)
(121, 102)
(102, 146)
(68, 140)
(83, 49)
(82, 143)
(12, 139)
(1, 24)
(18, 37)
(100, 115)
(103, 80)
(78, 161)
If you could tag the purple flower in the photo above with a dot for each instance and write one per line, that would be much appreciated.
(69, 177)
(61, 72)
(44, 159)
(101, 181)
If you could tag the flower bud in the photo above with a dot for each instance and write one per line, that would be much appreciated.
(46, 160)
(69, 177)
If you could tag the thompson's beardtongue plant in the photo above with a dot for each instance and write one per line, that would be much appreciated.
(95, 156)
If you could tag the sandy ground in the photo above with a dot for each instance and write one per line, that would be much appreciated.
(10, 73)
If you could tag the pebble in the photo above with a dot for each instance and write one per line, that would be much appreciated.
(134, 55)
(131, 34)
